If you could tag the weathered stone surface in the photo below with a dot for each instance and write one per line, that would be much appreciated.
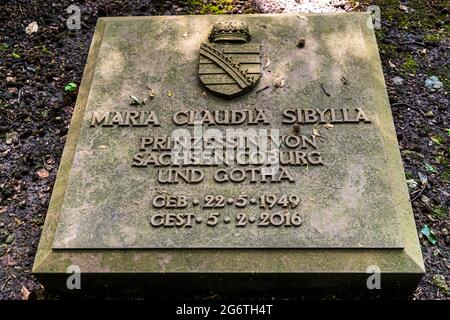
(355, 207)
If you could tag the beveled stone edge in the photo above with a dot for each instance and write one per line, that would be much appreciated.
(60, 186)
(151, 261)
(396, 170)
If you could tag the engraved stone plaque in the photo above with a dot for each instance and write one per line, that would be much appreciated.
(222, 133)
(300, 164)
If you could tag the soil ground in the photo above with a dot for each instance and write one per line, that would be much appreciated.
(35, 112)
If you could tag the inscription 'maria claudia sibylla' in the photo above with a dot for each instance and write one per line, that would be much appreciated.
(229, 65)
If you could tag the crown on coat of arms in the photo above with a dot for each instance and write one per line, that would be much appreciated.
(230, 31)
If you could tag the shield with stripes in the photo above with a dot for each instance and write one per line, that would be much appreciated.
(229, 65)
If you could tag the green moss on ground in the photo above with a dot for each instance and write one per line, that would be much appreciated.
(440, 282)
(415, 14)
(429, 19)
(219, 6)
(409, 175)
(440, 213)
(434, 37)
(410, 64)
(445, 176)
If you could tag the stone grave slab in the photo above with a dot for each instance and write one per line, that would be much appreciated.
(230, 146)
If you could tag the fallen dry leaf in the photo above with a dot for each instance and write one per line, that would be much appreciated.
(32, 28)
(8, 261)
(12, 90)
(403, 8)
(42, 173)
(150, 92)
(279, 83)
(267, 64)
(25, 293)
(316, 132)
(18, 221)
(134, 101)
(3, 209)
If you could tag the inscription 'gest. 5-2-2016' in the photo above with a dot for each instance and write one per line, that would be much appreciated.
(188, 220)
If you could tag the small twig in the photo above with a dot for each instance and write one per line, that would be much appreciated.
(262, 89)
(417, 195)
(46, 166)
(402, 104)
(407, 105)
(385, 23)
(415, 42)
(7, 178)
(324, 90)
(9, 277)
(429, 5)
